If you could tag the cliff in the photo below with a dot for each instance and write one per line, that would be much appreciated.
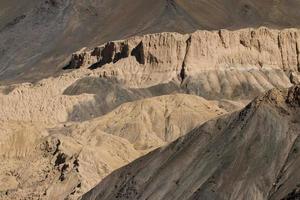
(211, 63)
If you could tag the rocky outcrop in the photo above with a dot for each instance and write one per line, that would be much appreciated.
(202, 50)
(217, 60)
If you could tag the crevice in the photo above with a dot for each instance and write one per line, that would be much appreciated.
(124, 53)
(60, 159)
(15, 21)
(172, 4)
(76, 62)
(138, 53)
(221, 36)
(53, 3)
(182, 74)
(243, 43)
(294, 195)
(107, 55)
(298, 56)
(293, 98)
(152, 59)
(280, 49)
(97, 52)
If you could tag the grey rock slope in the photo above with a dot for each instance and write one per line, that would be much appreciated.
(36, 37)
(252, 154)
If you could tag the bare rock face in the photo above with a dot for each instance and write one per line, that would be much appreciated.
(231, 65)
(209, 63)
(251, 154)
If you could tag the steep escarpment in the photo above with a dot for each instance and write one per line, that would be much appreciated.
(249, 154)
(227, 64)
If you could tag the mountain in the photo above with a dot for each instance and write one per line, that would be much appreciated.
(87, 87)
(36, 37)
(48, 159)
(250, 154)
(217, 65)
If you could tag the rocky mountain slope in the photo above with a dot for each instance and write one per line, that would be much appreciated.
(36, 37)
(110, 104)
(47, 159)
(250, 154)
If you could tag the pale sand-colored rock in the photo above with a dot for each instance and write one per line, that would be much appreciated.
(250, 154)
(66, 161)
(215, 62)
(153, 122)
(41, 102)
(216, 65)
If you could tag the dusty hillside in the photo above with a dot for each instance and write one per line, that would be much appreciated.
(36, 37)
(66, 160)
(153, 122)
(251, 154)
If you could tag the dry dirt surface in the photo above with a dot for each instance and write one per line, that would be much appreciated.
(47, 160)
(36, 37)
(250, 154)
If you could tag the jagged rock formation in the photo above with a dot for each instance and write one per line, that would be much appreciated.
(37, 36)
(228, 64)
(48, 160)
(251, 154)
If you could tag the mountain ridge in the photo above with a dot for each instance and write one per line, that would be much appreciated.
(73, 24)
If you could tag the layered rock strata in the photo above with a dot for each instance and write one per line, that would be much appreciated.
(212, 63)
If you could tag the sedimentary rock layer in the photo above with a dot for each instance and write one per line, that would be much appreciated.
(212, 63)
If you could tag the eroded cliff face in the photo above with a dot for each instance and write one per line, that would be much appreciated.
(234, 65)
(211, 63)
